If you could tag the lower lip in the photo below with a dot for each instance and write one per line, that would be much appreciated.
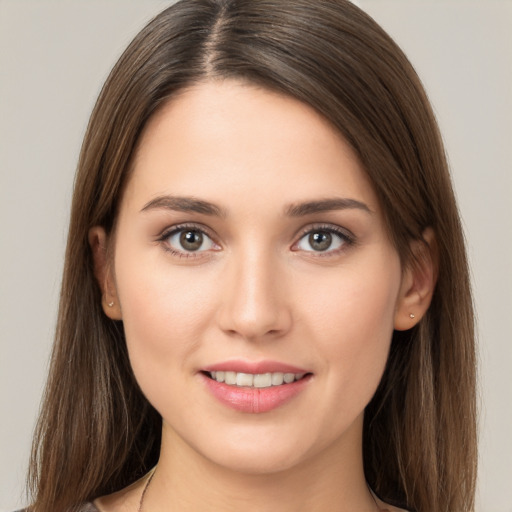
(255, 400)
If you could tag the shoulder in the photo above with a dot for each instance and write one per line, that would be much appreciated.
(84, 507)
(88, 507)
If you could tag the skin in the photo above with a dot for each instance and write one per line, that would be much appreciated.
(256, 290)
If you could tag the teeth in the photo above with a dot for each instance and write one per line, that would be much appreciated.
(288, 377)
(277, 379)
(260, 380)
(229, 377)
(244, 379)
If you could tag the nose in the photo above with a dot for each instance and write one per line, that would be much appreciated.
(254, 304)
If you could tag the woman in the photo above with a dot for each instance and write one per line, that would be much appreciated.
(265, 301)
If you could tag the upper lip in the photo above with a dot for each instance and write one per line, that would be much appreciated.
(254, 367)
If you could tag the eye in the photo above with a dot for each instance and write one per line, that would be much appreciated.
(322, 240)
(188, 240)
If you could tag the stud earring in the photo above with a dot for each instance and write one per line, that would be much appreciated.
(411, 315)
(110, 304)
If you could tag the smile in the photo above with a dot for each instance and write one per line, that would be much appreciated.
(260, 388)
(259, 380)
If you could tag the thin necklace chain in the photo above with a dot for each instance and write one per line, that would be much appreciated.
(374, 499)
(141, 502)
(145, 490)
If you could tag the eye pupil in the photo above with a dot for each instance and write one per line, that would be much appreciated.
(320, 240)
(191, 240)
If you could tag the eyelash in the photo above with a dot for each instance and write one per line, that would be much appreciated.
(178, 229)
(347, 239)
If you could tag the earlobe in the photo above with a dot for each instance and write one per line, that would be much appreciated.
(418, 282)
(98, 241)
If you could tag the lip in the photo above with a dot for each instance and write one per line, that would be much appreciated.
(249, 399)
(241, 366)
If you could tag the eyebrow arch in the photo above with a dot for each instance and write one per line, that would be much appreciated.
(325, 205)
(183, 204)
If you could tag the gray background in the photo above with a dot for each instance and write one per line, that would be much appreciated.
(54, 56)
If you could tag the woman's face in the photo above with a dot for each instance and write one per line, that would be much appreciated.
(250, 242)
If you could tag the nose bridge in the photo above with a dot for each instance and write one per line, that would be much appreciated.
(254, 304)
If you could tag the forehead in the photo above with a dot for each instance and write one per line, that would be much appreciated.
(219, 139)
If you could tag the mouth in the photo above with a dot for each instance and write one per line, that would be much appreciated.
(255, 387)
(254, 380)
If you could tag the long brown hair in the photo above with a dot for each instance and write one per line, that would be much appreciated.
(97, 433)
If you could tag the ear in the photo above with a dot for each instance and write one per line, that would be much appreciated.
(98, 240)
(418, 282)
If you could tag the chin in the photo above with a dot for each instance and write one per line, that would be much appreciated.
(260, 464)
(261, 453)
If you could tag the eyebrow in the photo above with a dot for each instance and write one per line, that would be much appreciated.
(192, 204)
(325, 205)
(184, 204)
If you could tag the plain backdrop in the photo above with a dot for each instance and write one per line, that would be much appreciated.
(54, 57)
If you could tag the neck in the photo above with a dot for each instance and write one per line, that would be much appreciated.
(332, 480)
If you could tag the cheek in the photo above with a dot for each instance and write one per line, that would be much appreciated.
(164, 311)
(359, 299)
(352, 322)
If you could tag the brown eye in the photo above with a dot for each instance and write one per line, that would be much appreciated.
(191, 240)
(323, 240)
(320, 241)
